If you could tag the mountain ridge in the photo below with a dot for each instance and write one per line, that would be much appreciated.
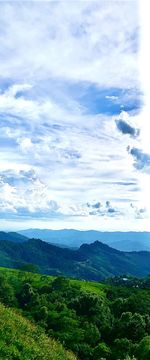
(94, 261)
(124, 241)
(12, 236)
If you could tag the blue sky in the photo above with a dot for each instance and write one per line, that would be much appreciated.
(73, 140)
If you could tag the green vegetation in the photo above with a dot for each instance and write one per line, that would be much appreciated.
(21, 340)
(94, 262)
(95, 321)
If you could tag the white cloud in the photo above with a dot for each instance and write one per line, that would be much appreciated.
(112, 97)
(24, 195)
(75, 155)
(83, 41)
(17, 88)
(25, 144)
(59, 154)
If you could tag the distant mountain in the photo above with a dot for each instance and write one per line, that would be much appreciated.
(131, 245)
(90, 262)
(12, 236)
(125, 241)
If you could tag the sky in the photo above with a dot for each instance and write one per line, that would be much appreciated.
(74, 115)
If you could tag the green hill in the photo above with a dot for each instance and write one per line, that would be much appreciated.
(95, 321)
(21, 340)
(90, 262)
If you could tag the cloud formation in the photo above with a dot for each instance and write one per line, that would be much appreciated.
(23, 194)
(62, 156)
(39, 33)
(142, 160)
(126, 128)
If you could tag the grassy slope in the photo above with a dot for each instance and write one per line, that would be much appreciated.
(21, 340)
(87, 286)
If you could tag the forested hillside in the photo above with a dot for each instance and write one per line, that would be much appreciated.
(13, 236)
(95, 261)
(96, 321)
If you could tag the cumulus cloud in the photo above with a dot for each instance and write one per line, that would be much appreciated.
(111, 210)
(126, 128)
(22, 193)
(96, 205)
(142, 160)
(140, 212)
(103, 209)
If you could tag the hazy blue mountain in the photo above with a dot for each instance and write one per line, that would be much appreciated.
(126, 241)
(130, 245)
(94, 261)
(12, 236)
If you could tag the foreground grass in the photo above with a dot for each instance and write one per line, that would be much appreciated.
(21, 340)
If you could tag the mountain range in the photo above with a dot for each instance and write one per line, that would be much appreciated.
(94, 261)
(124, 241)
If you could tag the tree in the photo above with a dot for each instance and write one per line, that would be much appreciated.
(143, 350)
(101, 351)
(121, 348)
(131, 326)
(7, 295)
(60, 284)
(91, 334)
(30, 268)
(27, 297)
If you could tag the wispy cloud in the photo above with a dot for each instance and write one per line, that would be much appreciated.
(73, 76)
(88, 35)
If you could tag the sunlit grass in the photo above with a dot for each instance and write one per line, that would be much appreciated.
(20, 339)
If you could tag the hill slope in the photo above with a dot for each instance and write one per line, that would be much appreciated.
(91, 262)
(19, 339)
(12, 236)
(96, 321)
(125, 241)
